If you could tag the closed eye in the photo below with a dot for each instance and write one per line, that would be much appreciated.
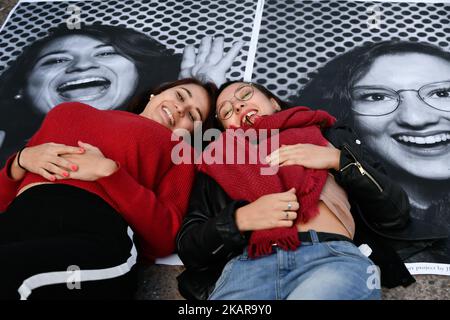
(179, 96)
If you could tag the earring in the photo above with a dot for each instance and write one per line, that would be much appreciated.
(18, 96)
(151, 96)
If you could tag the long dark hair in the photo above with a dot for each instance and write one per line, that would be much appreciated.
(154, 62)
(330, 88)
(139, 102)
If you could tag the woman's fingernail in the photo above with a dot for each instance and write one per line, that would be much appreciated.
(65, 174)
(52, 178)
(74, 167)
(82, 150)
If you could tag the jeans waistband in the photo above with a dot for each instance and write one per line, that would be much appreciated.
(313, 236)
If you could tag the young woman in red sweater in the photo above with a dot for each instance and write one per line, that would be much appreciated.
(88, 183)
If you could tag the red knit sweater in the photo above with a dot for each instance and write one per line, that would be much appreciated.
(148, 190)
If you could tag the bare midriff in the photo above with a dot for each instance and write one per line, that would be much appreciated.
(28, 186)
(325, 221)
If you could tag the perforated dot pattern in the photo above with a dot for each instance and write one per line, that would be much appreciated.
(297, 37)
(173, 23)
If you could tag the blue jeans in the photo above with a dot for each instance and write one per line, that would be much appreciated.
(334, 270)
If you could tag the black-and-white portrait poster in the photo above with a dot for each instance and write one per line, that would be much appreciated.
(383, 66)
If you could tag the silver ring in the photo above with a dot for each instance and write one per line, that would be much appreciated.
(289, 206)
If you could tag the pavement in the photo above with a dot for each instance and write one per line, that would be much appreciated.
(158, 282)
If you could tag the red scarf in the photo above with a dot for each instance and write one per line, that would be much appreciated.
(246, 181)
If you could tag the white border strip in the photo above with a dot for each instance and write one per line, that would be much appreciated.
(170, 260)
(428, 268)
(48, 278)
(254, 41)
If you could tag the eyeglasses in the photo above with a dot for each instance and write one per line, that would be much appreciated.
(379, 101)
(242, 93)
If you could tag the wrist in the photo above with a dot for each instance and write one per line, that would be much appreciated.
(240, 222)
(19, 159)
(16, 171)
(109, 167)
(336, 159)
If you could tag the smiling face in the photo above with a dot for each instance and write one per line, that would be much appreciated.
(415, 137)
(180, 107)
(241, 105)
(80, 68)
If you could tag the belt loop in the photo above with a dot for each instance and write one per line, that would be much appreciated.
(314, 236)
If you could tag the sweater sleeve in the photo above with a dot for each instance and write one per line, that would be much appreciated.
(8, 186)
(155, 215)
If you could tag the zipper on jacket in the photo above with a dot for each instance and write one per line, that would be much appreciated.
(360, 168)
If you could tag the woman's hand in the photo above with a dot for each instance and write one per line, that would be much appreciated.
(308, 155)
(92, 164)
(269, 211)
(46, 160)
(209, 64)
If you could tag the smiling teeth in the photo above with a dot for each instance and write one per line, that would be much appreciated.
(81, 81)
(172, 120)
(425, 140)
(246, 118)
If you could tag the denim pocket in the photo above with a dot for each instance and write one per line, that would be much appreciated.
(345, 249)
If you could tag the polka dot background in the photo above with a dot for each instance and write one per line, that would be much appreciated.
(297, 37)
(173, 23)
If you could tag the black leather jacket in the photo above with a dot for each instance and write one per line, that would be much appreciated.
(209, 237)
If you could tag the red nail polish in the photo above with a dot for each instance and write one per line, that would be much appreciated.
(52, 178)
(82, 150)
(65, 174)
(74, 167)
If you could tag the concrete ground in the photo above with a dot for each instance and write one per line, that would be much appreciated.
(159, 281)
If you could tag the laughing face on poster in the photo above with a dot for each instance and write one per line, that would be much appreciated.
(397, 95)
(101, 65)
(105, 66)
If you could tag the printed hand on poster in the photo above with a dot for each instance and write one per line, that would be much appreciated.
(209, 64)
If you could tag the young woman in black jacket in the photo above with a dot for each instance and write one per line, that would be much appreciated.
(215, 234)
